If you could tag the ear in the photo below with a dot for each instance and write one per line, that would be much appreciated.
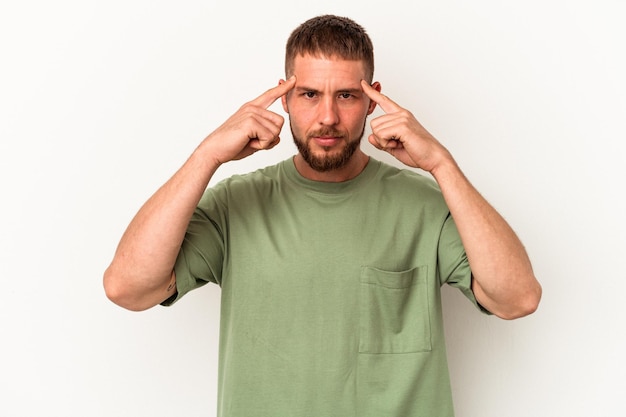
(283, 99)
(376, 86)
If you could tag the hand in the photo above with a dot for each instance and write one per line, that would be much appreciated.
(250, 129)
(399, 133)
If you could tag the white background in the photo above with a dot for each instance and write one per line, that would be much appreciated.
(101, 101)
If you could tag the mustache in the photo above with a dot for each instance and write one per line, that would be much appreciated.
(326, 132)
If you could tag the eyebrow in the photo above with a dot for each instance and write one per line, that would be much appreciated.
(341, 90)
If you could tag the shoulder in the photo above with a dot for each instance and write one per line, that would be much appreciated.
(259, 176)
(245, 184)
(398, 179)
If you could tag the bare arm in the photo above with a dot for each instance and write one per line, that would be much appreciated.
(141, 274)
(503, 279)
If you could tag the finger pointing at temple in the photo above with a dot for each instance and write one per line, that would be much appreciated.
(270, 96)
(385, 103)
(399, 133)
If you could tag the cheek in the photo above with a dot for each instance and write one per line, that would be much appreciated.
(296, 123)
(300, 114)
(355, 117)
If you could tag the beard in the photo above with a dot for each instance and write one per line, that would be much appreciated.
(328, 161)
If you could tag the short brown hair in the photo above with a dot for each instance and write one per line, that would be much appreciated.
(331, 36)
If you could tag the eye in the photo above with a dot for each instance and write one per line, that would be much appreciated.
(309, 94)
(345, 96)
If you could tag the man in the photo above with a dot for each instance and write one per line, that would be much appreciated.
(330, 264)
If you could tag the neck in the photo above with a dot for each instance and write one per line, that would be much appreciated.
(353, 168)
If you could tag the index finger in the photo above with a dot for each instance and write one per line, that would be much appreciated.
(270, 96)
(385, 103)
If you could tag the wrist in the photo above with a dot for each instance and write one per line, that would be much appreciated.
(445, 168)
(206, 157)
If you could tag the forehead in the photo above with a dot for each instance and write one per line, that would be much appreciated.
(310, 69)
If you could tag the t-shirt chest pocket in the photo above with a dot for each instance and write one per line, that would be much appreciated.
(394, 311)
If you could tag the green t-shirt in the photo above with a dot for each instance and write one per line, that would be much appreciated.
(330, 292)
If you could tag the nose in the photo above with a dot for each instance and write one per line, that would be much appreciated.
(328, 114)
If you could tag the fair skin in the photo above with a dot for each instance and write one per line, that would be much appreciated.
(328, 103)
(141, 273)
(328, 96)
(503, 279)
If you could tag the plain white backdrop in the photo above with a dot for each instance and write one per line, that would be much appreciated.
(101, 101)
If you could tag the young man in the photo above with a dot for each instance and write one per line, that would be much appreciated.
(330, 263)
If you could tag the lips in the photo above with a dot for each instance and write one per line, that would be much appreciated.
(326, 141)
(326, 138)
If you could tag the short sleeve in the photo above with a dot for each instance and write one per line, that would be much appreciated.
(201, 256)
(454, 268)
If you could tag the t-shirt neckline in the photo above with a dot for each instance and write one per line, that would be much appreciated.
(330, 187)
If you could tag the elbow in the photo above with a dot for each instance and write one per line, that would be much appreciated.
(118, 291)
(524, 306)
